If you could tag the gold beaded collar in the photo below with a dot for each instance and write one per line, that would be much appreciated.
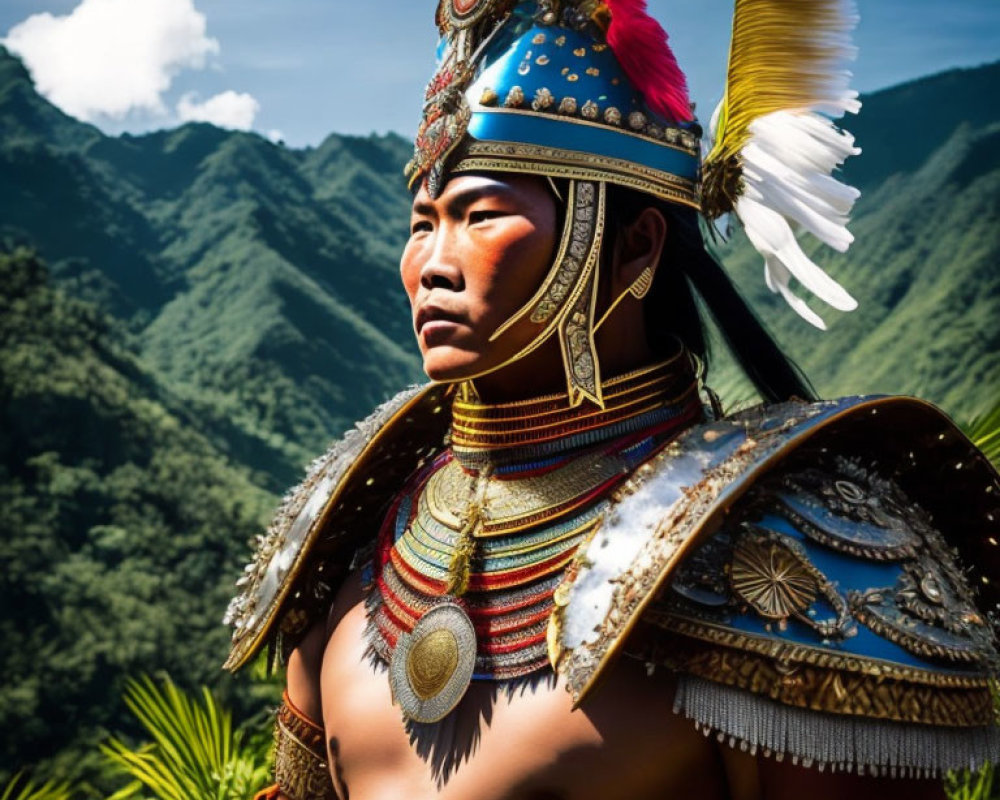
(546, 426)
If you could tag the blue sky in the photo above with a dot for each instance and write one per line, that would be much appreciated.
(306, 68)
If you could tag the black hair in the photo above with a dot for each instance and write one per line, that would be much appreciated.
(687, 267)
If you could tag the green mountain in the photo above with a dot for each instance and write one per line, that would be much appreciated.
(259, 282)
(925, 264)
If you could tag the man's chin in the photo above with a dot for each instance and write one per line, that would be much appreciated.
(448, 365)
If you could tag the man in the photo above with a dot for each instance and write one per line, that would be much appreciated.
(535, 594)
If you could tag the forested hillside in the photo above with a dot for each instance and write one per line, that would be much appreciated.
(121, 525)
(257, 280)
(216, 307)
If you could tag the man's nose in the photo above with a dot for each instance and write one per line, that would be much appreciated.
(441, 270)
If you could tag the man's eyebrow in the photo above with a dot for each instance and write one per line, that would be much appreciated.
(460, 201)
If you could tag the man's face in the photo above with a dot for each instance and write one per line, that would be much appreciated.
(476, 254)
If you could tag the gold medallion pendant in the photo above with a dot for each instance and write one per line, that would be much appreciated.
(431, 667)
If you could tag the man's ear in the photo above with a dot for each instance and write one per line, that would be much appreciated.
(637, 247)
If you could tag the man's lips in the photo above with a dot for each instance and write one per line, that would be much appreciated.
(429, 314)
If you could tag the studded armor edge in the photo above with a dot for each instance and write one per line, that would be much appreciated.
(308, 548)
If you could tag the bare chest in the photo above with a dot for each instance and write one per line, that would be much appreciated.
(519, 743)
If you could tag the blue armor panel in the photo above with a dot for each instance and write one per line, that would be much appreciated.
(827, 618)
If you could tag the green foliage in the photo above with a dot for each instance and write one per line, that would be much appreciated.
(984, 431)
(967, 785)
(121, 527)
(20, 788)
(259, 282)
(195, 751)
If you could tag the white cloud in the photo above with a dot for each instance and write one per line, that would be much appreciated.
(276, 136)
(112, 57)
(227, 109)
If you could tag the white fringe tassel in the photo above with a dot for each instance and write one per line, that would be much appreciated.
(832, 741)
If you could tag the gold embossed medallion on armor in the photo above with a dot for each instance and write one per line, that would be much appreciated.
(432, 666)
(771, 578)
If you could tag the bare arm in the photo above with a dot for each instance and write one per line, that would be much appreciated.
(302, 680)
(303, 672)
(305, 666)
(760, 778)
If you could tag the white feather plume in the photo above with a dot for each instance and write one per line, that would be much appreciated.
(787, 182)
(775, 145)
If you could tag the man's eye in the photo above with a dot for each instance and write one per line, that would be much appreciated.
(421, 226)
(483, 216)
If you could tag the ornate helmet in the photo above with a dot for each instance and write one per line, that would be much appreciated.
(590, 91)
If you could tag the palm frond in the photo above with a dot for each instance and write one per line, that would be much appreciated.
(967, 785)
(984, 431)
(194, 753)
(21, 788)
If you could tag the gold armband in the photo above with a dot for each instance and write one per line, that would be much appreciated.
(301, 771)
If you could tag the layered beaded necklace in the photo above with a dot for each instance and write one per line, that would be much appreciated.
(472, 551)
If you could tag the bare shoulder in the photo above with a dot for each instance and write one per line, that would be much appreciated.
(759, 778)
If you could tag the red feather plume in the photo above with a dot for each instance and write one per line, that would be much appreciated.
(640, 45)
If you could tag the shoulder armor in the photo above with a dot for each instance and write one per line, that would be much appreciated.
(786, 560)
(306, 552)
